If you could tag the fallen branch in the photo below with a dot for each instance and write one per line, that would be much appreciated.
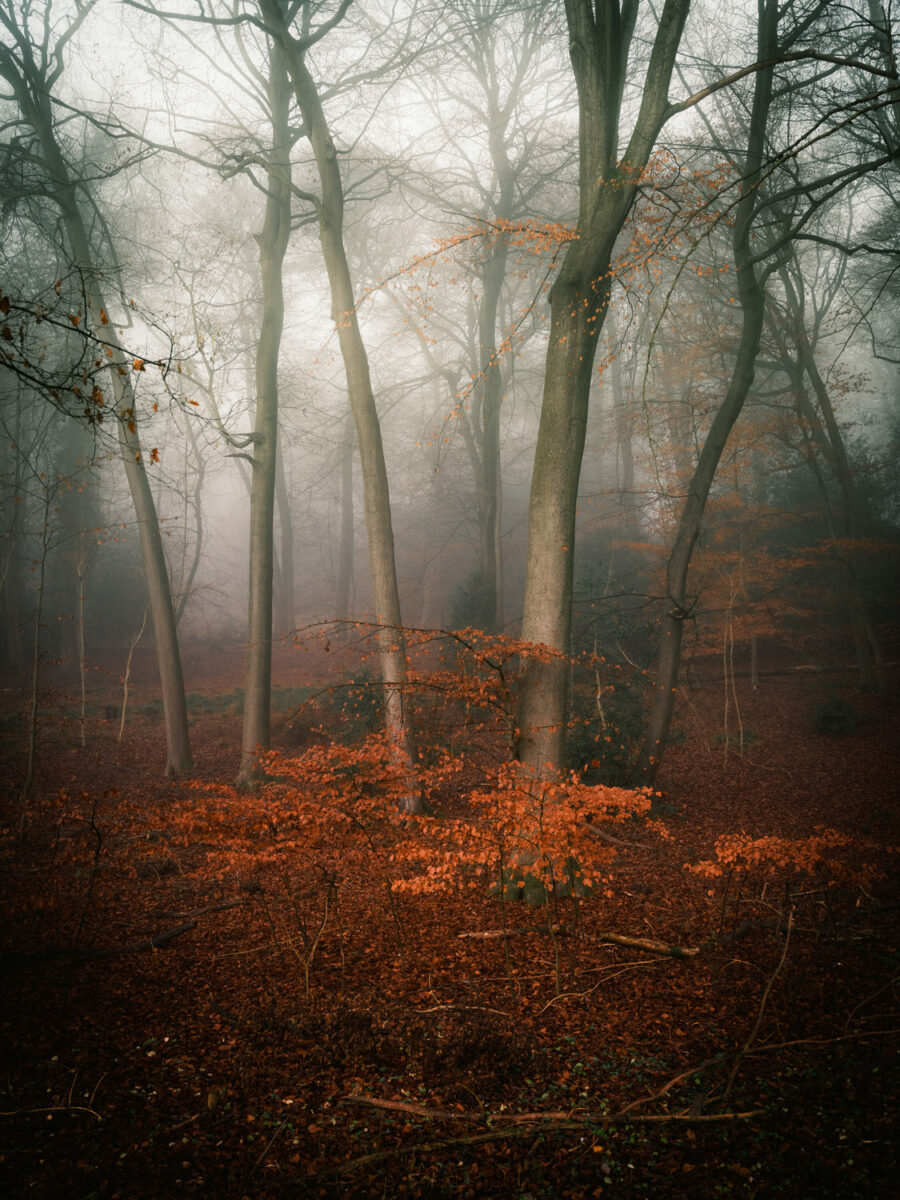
(485, 934)
(762, 1008)
(32, 958)
(417, 1110)
(647, 962)
(620, 939)
(202, 912)
(649, 944)
(150, 943)
(666, 1087)
(463, 1008)
(516, 1125)
(614, 841)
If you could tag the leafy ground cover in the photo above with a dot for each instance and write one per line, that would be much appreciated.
(717, 1018)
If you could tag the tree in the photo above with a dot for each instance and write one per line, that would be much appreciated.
(278, 18)
(600, 47)
(761, 245)
(497, 85)
(846, 518)
(32, 63)
(273, 241)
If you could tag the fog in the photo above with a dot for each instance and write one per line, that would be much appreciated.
(196, 147)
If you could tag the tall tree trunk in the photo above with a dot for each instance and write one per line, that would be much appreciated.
(678, 604)
(751, 293)
(36, 109)
(489, 481)
(273, 241)
(195, 501)
(284, 599)
(843, 531)
(345, 546)
(543, 698)
(376, 493)
(599, 44)
(623, 423)
(11, 578)
(870, 663)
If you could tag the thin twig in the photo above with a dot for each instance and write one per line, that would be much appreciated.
(525, 1124)
(650, 962)
(762, 1007)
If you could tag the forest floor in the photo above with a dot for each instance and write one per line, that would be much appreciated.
(414, 1061)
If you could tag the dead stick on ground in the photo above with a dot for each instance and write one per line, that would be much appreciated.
(614, 841)
(667, 1086)
(464, 1008)
(201, 912)
(418, 1110)
(150, 943)
(620, 939)
(647, 962)
(525, 1125)
(762, 1008)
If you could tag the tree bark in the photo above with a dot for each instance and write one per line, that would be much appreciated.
(488, 481)
(870, 662)
(273, 241)
(345, 546)
(34, 102)
(599, 43)
(376, 493)
(751, 293)
(284, 600)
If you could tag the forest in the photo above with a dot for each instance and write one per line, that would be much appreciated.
(450, 548)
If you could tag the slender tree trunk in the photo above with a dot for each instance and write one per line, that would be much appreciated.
(754, 661)
(80, 573)
(345, 546)
(273, 243)
(34, 704)
(284, 602)
(10, 578)
(489, 481)
(623, 423)
(599, 44)
(751, 292)
(196, 503)
(376, 494)
(679, 606)
(870, 663)
(178, 751)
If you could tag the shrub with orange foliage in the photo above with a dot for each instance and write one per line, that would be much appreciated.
(334, 812)
(518, 830)
(829, 856)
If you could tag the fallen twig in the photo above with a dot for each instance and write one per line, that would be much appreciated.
(417, 1110)
(762, 1008)
(519, 1125)
(201, 912)
(650, 944)
(150, 943)
(32, 958)
(463, 1008)
(620, 939)
(614, 841)
(485, 934)
(647, 962)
